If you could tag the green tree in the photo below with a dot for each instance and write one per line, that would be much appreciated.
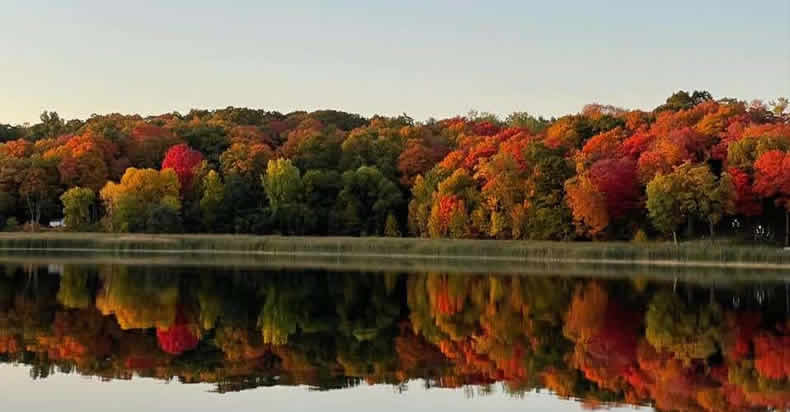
(51, 126)
(391, 228)
(687, 332)
(211, 199)
(547, 215)
(527, 121)
(75, 287)
(689, 192)
(78, 205)
(283, 186)
(664, 205)
(321, 188)
(211, 141)
(366, 200)
(376, 145)
(164, 218)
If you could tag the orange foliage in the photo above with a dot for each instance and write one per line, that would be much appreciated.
(85, 160)
(587, 205)
(771, 356)
(604, 145)
(772, 174)
(661, 159)
(16, 148)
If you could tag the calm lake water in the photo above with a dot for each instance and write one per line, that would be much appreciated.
(129, 337)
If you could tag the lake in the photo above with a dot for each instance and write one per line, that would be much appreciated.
(131, 335)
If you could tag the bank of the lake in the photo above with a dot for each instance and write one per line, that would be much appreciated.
(698, 253)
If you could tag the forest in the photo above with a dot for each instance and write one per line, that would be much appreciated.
(693, 167)
(676, 346)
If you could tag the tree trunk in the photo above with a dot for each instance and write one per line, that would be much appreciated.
(675, 237)
(787, 228)
(711, 226)
(31, 208)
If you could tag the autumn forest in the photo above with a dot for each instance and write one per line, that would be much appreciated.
(693, 167)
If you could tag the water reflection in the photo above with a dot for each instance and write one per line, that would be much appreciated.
(676, 346)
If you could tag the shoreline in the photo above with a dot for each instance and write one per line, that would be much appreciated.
(700, 253)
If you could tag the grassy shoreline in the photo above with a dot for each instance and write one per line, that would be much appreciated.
(696, 253)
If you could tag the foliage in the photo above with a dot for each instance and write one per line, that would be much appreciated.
(689, 191)
(78, 206)
(283, 185)
(211, 199)
(183, 160)
(588, 175)
(143, 200)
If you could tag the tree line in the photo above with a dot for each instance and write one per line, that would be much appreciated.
(694, 166)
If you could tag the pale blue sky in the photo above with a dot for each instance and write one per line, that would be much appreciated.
(426, 58)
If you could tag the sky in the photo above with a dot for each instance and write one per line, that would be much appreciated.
(72, 393)
(433, 58)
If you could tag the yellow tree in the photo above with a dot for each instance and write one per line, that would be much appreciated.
(136, 202)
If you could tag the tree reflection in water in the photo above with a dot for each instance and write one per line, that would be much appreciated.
(674, 346)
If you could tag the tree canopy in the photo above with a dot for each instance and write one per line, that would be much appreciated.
(605, 173)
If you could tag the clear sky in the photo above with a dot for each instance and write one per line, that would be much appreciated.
(423, 57)
(72, 393)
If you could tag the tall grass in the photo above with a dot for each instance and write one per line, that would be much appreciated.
(262, 264)
(722, 252)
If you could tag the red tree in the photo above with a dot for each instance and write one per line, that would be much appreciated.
(746, 200)
(183, 160)
(178, 338)
(617, 180)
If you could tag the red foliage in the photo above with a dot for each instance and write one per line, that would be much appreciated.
(693, 141)
(147, 145)
(418, 158)
(617, 180)
(515, 146)
(637, 144)
(746, 200)
(609, 355)
(447, 206)
(479, 152)
(183, 160)
(746, 325)
(485, 129)
(178, 338)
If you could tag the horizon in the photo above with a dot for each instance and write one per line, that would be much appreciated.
(500, 116)
(436, 60)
